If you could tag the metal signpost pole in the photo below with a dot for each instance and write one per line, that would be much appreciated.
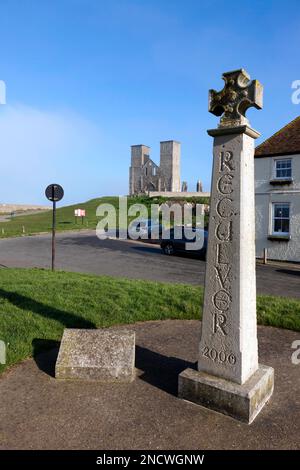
(54, 192)
(53, 235)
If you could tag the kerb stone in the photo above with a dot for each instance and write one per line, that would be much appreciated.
(96, 355)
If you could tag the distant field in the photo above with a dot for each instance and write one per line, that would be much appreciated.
(8, 208)
(41, 222)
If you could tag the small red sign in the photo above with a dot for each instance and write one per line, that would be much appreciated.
(79, 212)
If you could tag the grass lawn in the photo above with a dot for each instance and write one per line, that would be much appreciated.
(42, 222)
(36, 305)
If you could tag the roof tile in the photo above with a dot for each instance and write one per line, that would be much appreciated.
(284, 142)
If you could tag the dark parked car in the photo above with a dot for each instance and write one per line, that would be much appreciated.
(180, 241)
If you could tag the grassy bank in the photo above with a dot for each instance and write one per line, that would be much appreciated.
(42, 222)
(36, 306)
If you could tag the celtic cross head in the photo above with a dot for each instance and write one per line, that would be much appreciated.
(238, 94)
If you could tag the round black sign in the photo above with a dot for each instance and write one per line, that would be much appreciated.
(54, 192)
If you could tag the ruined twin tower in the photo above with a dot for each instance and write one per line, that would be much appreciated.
(145, 175)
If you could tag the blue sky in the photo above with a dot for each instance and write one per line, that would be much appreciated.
(86, 79)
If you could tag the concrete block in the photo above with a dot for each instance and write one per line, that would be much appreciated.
(242, 402)
(97, 355)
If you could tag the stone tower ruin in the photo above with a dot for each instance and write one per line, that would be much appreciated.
(145, 175)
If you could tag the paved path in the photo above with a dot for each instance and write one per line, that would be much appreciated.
(38, 412)
(84, 252)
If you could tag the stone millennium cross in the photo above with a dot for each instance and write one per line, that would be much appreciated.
(229, 378)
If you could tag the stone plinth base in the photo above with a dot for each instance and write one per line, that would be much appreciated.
(242, 402)
(96, 355)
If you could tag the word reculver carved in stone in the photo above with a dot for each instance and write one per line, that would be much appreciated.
(229, 378)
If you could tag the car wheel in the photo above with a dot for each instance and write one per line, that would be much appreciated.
(168, 249)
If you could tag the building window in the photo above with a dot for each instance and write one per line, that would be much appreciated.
(283, 168)
(154, 171)
(281, 218)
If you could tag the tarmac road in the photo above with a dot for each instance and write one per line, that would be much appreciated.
(84, 252)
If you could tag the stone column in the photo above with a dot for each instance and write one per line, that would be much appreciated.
(228, 346)
(199, 188)
(229, 378)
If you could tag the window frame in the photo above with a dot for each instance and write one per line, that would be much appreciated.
(277, 233)
(275, 169)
